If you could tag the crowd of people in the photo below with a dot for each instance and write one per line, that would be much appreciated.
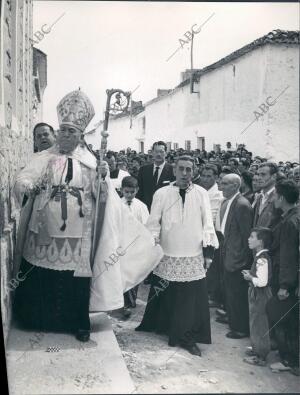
(253, 279)
(226, 221)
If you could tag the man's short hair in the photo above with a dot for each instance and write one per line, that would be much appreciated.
(211, 167)
(289, 190)
(271, 165)
(226, 170)
(137, 159)
(160, 143)
(235, 161)
(110, 154)
(264, 234)
(280, 176)
(185, 157)
(122, 159)
(40, 124)
(247, 177)
(245, 162)
(129, 182)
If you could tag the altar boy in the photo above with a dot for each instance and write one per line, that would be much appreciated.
(140, 211)
(129, 191)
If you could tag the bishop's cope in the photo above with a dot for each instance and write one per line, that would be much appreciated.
(65, 270)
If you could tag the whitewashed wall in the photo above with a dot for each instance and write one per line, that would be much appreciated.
(225, 106)
(121, 135)
(16, 145)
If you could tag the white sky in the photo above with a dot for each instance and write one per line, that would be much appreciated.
(103, 45)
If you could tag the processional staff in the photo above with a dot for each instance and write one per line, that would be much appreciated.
(117, 102)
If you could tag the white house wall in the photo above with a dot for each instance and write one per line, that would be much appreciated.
(282, 129)
(225, 106)
(120, 137)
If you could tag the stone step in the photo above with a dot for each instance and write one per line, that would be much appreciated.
(52, 363)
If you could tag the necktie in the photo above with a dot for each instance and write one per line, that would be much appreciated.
(155, 175)
(129, 203)
(260, 202)
(223, 209)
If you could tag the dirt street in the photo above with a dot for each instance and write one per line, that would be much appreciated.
(157, 368)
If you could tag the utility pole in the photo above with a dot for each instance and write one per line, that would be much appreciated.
(192, 66)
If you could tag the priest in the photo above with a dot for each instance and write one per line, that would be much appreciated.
(181, 221)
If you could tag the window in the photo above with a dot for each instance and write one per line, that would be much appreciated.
(187, 145)
(217, 147)
(142, 146)
(201, 143)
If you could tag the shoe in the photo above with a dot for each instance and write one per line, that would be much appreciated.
(83, 335)
(222, 320)
(126, 312)
(192, 349)
(221, 312)
(236, 335)
(250, 353)
(279, 367)
(255, 361)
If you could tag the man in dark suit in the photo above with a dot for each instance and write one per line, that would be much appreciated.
(154, 176)
(264, 209)
(283, 308)
(234, 221)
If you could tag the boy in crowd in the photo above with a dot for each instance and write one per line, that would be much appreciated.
(259, 293)
(129, 190)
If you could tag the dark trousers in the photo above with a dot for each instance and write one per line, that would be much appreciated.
(212, 278)
(236, 289)
(215, 275)
(275, 280)
(259, 326)
(215, 280)
(283, 317)
(130, 297)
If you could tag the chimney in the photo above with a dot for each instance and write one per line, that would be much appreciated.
(186, 75)
(163, 92)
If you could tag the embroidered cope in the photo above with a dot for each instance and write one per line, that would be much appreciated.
(46, 245)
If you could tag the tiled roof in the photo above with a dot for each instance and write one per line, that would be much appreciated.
(274, 37)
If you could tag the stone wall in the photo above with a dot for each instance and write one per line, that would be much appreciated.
(16, 145)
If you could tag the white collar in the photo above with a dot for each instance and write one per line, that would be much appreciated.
(214, 188)
(232, 197)
(260, 252)
(268, 193)
(160, 166)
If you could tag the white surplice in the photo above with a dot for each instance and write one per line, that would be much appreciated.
(183, 230)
